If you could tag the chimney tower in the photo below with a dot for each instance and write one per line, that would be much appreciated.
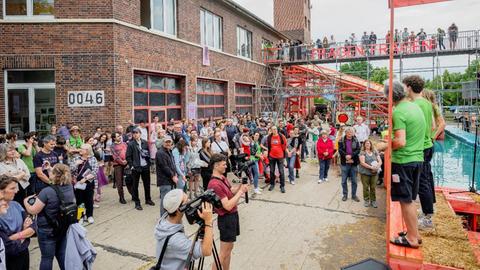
(292, 18)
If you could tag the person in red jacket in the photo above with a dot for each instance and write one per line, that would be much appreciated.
(325, 154)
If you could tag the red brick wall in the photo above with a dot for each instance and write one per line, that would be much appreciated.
(127, 11)
(85, 9)
(289, 18)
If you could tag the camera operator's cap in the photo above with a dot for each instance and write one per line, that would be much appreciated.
(167, 138)
(172, 200)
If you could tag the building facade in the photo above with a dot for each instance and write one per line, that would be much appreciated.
(292, 18)
(105, 62)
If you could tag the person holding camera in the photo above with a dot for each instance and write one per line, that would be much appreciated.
(138, 159)
(173, 246)
(228, 220)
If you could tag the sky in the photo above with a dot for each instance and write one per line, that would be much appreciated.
(343, 17)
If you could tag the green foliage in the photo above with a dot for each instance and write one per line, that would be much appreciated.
(379, 75)
(361, 69)
(319, 100)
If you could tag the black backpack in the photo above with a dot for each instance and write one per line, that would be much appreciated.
(66, 216)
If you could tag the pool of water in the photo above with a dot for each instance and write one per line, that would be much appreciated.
(452, 163)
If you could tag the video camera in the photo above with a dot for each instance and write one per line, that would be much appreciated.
(190, 209)
(243, 165)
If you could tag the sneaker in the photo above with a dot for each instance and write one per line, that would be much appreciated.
(374, 204)
(355, 198)
(366, 203)
(96, 205)
(282, 189)
(320, 181)
(344, 198)
(257, 191)
(325, 179)
(425, 224)
(271, 188)
(90, 220)
(292, 182)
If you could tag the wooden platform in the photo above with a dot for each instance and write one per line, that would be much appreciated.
(402, 258)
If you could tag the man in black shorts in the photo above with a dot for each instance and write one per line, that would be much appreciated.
(409, 128)
(228, 220)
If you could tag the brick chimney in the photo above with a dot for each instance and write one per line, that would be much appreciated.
(292, 18)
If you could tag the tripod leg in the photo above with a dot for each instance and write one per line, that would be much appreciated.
(216, 257)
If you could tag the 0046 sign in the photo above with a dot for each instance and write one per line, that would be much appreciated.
(86, 98)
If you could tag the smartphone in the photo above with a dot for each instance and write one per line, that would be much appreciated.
(32, 200)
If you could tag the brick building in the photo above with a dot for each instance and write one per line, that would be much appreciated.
(104, 62)
(292, 18)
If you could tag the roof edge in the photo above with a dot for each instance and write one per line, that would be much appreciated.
(254, 17)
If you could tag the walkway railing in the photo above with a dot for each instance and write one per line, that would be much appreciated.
(463, 42)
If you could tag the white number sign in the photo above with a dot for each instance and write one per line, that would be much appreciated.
(86, 98)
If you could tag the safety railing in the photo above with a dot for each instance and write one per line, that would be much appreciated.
(462, 41)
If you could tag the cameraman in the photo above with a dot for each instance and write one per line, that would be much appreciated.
(228, 221)
(178, 245)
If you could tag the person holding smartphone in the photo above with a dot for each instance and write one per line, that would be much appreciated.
(84, 170)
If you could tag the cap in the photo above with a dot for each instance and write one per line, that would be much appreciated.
(74, 128)
(167, 138)
(172, 200)
(136, 130)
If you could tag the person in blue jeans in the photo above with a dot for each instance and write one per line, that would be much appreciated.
(349, 149)
(294, 146)
(47, 206)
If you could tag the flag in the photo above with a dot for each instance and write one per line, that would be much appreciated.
(205, 56)
(406, 3)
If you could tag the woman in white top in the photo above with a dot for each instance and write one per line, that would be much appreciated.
(14, 167)
(219, 145)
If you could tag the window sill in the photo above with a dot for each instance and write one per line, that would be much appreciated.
(39, 18)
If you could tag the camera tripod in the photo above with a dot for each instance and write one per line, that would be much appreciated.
(216, 258)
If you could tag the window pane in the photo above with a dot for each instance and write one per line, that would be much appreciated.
(219, 100)
(172, 84)
(216, 32)
(160, 114)
(174, 99)
(209, 100)
(140, 99)
(16, 7)
(209, 87)
(219, 112)
(140, 81)
(200, 113)
(43, 7)
(200, 86)
(209, 29)
(140, 115)
(157, 99)
(200, 100)
(170, 16)
(156, 82)
(175, 114)
(219, 88)
(31, 76)
(209, 112)
(157, 14)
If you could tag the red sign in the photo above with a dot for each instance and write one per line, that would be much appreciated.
(343, 118)
(406, 3)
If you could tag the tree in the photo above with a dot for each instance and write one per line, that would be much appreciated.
(379, 75)
(361, 69)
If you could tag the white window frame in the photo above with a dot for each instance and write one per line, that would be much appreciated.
(163, 31)
(29, 15)
(31, 96)
(203, 29)
(249, 42)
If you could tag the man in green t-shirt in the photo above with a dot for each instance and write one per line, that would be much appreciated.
(426, 191)
(407, 160)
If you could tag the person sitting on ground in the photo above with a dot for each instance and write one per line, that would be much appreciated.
(409, 129)
(173, 246)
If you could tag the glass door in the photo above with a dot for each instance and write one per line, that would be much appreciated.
(44, 110)
(18, 111)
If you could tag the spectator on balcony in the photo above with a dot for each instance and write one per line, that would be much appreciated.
(396, 37)
(326, 45)
(387, 41)
(405, 36)
(353, 43)
(318, 44)
(412, 38)
(373, 41)
(440, 37)
(365, 41)
(422, 36)
(453, 35)
(332, 43)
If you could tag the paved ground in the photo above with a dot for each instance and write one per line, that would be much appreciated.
(308, 227)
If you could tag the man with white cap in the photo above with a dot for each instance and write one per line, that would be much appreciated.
(170, 235)
(165, 170)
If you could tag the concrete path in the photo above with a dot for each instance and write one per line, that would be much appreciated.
(308, 227)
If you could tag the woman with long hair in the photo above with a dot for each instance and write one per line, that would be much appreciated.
(84, 174)
(11, 165)
(16, 227)
(370, 163)
(47, 206)
(99, 152)
(194, 166)
(205, 154)
(438, 132)
(180, 156)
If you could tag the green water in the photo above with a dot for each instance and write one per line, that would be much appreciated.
(452, 164)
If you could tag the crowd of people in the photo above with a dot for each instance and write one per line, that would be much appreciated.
(39, 175)
(406, 41)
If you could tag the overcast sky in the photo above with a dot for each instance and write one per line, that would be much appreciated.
(342, 17)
